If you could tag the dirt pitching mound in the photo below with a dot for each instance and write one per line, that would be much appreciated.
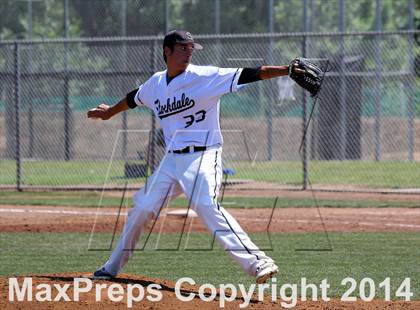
(95, 299)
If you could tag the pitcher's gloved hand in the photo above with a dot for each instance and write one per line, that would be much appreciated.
(307, 74)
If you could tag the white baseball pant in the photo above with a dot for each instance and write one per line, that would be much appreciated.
(199, 176)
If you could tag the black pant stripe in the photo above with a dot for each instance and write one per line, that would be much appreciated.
(215, 177)
(248, 250)
(218, 207)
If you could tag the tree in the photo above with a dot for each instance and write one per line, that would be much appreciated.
(11, 25)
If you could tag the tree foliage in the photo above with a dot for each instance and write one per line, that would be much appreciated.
(98, 18)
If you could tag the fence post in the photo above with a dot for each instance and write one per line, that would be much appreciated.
(217, 16)
(68, 113)
(16, 91)
(409, 86)
(29, 66)
(269, 111)
(152, 137)
(378, 77)
(124, 69)
(342, 96)
(167, 16)
(217, 30)
(305, 102)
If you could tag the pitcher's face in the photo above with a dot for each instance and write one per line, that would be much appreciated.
(181, 55)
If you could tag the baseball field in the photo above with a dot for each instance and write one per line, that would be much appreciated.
(320, 162)
(358, 246)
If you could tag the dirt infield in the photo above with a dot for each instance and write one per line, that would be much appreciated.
(296, 220)
(169, 298)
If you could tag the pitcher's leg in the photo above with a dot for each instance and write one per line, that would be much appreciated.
(147, 205)
(232, 237)
(203, 190)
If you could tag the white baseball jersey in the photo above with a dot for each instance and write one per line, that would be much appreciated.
(188, 107)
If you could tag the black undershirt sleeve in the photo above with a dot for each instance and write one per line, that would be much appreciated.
(249, 75)
(130, 99)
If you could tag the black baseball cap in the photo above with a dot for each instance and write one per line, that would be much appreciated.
(179, 36)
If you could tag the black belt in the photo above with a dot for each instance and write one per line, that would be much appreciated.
(189, 149)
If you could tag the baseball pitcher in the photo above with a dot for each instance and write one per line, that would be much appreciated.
(185, 99)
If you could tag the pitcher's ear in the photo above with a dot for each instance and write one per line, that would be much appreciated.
(167, 51)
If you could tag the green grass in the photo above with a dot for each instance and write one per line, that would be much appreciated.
(59, 173)
(92, 199)
(387, 174)
(356, 255)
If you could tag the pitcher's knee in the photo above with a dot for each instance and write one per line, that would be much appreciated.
(141, 213)
(145, 206)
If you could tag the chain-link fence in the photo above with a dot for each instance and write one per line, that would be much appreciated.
(364, 132)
